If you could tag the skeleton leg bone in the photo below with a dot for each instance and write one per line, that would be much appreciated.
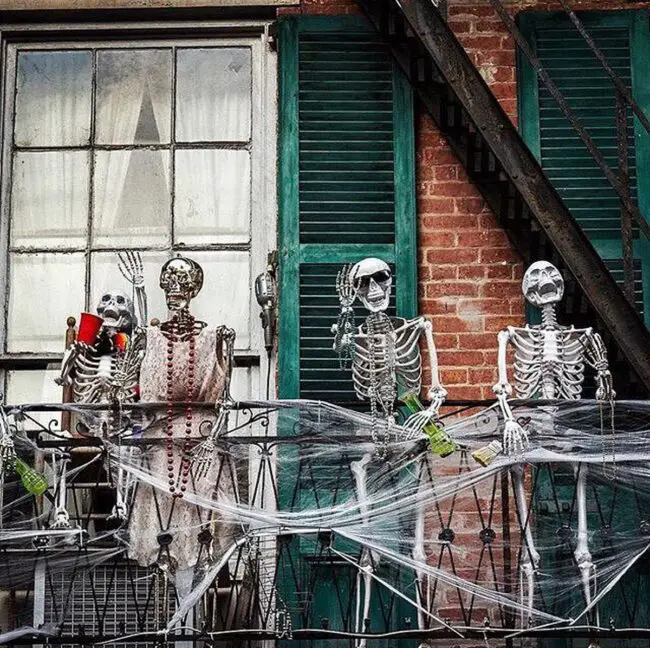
(61, 515)
(530, 556)
(366, 564)
(582, 553)
(422, 586)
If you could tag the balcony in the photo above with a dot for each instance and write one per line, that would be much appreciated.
(295, 529)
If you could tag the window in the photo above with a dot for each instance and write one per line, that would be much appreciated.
(624, 37)
(152, 144)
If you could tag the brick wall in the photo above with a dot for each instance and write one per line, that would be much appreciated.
(469, 273)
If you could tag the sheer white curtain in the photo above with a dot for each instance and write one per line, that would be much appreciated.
(213, 95)
(53, 91)
(213, 105)
(125, 80)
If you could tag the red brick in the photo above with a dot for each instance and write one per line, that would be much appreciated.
(437, 272)
(499, 322)
(436, 307)
(490, 238)
(460, 358)
(472, 272)
(436, 205)
(501, 271)
(497, 255)
(437, 239)
(465, 392)
(484, 305)
(453, 376)
(452, 289)
(455, 256)
(484, 375)
(484, 43)
(455, 188)
(446, 340)
(450, 221)
(471, 205)
(477, 341)
(503, 289)
(449, 324)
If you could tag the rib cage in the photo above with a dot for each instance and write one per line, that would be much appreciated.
(408, 359)
(548, 363)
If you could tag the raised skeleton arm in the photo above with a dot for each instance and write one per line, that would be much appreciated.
(130, 266)
(344, 328)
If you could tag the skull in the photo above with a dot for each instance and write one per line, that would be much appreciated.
(543, 284)
(116, 309)
(372, 280)
(181, 279)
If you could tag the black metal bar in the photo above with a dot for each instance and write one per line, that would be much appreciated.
(598, 53)
(627, 237)
(526, 175)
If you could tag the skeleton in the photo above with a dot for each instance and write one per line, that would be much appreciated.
(549, 362)
(385, 356)
(107, 372)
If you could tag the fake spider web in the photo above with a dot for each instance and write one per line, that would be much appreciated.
(304, 528)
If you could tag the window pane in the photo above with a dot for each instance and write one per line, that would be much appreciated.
(134, 97)
(49, 199)
(131, 206)
(104, 275)
(225, 298)
(212, 197)
(53, 92)
(35, 386)
(45, 290)
(213, 95)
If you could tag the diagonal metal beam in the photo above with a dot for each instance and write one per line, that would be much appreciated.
(456, 70)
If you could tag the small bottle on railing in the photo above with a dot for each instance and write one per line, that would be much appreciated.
(439, 441)
(31, 479)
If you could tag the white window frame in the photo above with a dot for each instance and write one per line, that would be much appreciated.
(255, 34)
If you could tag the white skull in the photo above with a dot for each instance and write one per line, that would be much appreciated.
(372, 280)
(543, 284)
(116, 309)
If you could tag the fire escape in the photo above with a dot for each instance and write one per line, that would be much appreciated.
(511, 180)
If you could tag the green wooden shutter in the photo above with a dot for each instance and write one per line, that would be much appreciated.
(623, 37)
(346, 187)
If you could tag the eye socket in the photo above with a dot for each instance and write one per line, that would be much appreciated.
(106, 297)
(120, 299)
(381, 276)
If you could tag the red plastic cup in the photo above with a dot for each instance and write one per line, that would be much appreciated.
(89, 325)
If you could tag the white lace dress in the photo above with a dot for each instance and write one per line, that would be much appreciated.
(164, 529)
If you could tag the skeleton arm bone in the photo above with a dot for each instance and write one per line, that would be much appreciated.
(437, 393)
(515, 438)
(596, 357)
(68, 363)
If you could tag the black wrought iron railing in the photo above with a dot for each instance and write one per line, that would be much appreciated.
(303, 533)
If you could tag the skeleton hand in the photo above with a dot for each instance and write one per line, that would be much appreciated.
(129, 263)
(605, 391)
(415, 423)
(7, 452)
(61, 519)
(345, 286)
(515, 438)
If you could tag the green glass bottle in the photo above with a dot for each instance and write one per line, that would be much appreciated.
(439, 441)
(32, 480)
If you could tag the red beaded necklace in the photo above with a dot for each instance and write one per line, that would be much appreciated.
(179, 330)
